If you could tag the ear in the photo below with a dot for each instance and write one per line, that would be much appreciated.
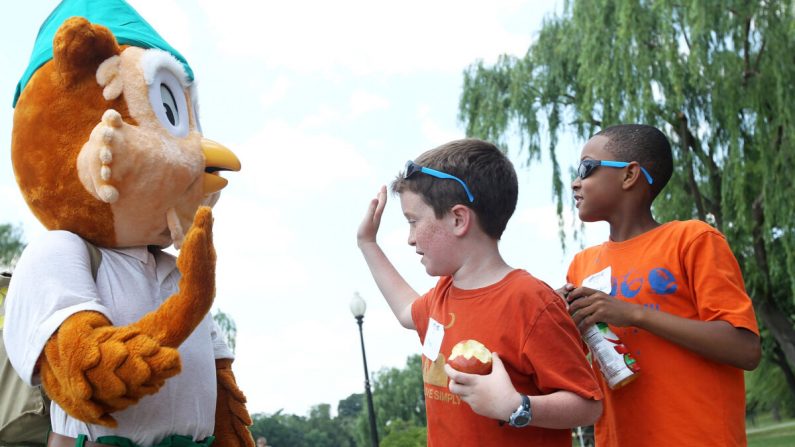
(79, 47)
(632, 175)
(462, 219)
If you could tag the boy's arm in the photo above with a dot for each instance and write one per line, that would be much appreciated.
(398, 293)
(717, 340)
(494, 396)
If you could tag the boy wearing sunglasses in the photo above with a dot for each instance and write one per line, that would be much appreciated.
(677, 301)
(458, 199)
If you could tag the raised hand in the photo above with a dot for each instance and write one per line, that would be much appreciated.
(176, 318)
(368, 229)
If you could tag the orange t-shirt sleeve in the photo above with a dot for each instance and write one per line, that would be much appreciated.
(553, 351)
(716, 282)
(420, 314)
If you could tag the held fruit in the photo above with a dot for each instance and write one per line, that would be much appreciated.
(470, 356)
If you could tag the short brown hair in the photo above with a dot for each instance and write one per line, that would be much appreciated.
(487, 172)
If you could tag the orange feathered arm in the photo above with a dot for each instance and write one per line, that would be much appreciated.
(92, 369)
(231, 416)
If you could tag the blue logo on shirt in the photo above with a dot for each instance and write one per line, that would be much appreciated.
(660, 280)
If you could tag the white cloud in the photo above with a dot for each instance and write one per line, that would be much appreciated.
(276, 92)
(433, 131)
(365, 37)
(285, 159)
(168, 18)
(363, 102)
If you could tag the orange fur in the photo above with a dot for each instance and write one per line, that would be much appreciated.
(231, 416)
(92, 368)
(52, 120)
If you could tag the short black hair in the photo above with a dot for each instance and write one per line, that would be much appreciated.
(644, 144)
(488, 173)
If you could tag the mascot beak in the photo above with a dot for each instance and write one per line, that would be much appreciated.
(217, 158)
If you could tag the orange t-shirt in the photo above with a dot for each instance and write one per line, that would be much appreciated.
(679, 398)
(526, 323)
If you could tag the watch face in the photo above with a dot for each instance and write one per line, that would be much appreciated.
(521, 419)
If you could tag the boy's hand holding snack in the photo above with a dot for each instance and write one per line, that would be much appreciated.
(490, 395)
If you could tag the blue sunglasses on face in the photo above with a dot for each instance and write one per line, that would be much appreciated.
(413, 168)
(588, 165)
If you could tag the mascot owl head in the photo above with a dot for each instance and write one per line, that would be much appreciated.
(106, 141)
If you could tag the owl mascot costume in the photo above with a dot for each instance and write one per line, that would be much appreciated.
(108, 154)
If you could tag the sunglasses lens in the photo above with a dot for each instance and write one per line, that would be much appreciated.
(585, 169)
(411, 168)
(582, 171)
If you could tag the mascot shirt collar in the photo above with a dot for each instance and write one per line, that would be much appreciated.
(118, 16)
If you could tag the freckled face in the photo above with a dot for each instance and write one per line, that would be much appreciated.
(595, 196)
(430, 236)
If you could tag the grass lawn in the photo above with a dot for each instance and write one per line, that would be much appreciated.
(765, 433)
(776, 435)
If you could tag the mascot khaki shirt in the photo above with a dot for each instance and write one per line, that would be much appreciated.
(53, 280)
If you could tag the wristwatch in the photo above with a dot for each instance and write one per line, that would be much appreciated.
(523, 415)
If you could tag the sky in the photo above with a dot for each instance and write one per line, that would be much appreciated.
(323, 102)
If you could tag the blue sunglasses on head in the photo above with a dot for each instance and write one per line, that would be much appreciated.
(588, 165)
(413, 168)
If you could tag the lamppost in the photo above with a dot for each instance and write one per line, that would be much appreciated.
(358, 306)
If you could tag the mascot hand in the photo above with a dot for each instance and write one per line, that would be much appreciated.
(231, 416)
(93, 369)
(174, 321)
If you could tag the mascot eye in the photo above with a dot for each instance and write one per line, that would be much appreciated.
(169, 105)
(167, 98)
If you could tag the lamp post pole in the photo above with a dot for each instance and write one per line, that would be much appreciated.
(358, 307)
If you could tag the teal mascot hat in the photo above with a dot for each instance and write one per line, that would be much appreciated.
(117, 15)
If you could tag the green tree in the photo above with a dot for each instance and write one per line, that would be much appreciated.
(716, 76)
(11, 245)
(324, 431)
(399, 404)
(228, 328)
(398, 399)
(280, 429)
(404, 434)
(351, 406)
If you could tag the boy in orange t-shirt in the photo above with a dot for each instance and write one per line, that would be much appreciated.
(677, 302)
(458, 199)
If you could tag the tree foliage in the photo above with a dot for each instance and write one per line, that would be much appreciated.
(398, 395)
(716, 76)
(11, 245)
(399, 408)
(228, 328)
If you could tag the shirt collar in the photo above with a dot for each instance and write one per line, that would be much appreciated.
(139, 253)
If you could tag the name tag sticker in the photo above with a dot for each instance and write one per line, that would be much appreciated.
(433, 340)
(599, 281)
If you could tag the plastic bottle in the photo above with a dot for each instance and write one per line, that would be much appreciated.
(617, 365)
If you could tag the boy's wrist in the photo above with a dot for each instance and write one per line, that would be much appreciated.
(363, 243)
(638, 316)
(511, 405)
